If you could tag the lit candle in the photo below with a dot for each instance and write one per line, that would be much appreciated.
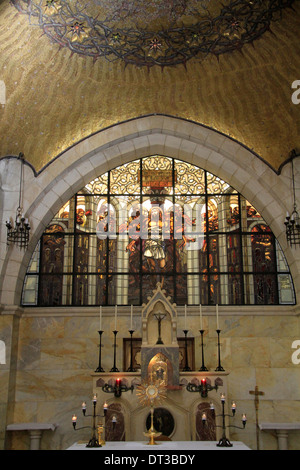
(105, 406)
(118, 382)
(114, 420)
(74, 419)
(116, 310)
(204, 417)
(131, 318)
(217, 311)
(95, 398)
(100, 319)
(201, 326)
(185, 317)
(223, 397)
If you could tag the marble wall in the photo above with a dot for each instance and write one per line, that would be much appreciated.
(56, 355)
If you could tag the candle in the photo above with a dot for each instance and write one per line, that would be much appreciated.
(201, 326)
(114, 420)
(131, 318)
(100, 318)
(217, 311)
(185, 317)
(116, 309)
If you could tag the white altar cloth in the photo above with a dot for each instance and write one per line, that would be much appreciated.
(161, 445)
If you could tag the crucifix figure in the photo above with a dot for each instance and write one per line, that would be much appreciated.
(256, 394)
(159, 318)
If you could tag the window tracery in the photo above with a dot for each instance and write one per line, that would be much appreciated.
(157, 219)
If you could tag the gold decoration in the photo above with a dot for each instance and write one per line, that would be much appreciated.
(150, 394)
(78, 32)
(101, 436)
(51, 101)
(52, 7)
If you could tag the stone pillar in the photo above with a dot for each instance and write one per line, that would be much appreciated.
(282, 438)
(35, 439)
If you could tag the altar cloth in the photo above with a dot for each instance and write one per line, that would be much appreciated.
(172, 446)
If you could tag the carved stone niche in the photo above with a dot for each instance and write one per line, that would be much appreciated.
(160, 349)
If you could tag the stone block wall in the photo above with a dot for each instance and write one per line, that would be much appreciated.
(57, 354)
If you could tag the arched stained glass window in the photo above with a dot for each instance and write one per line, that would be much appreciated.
(157, 219)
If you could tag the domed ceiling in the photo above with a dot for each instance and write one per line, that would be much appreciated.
(72, 68)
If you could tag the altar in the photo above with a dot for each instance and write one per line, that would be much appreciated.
(160, 395)
(171, 446)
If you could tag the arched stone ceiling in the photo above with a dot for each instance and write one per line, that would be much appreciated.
(56, 96)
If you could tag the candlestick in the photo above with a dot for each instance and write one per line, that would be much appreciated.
(219, 368)
(201, 326)
(114, 368)
(130, 368)
(186, 368)
(202, 350)
(100, 368)
(93, 442)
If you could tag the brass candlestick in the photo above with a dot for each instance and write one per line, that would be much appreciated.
(152, 434)
(149, 394)
(101, 436)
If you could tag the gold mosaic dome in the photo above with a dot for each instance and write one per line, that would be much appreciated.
(71, 69)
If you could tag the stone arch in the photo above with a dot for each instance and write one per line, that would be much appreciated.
(48, 190)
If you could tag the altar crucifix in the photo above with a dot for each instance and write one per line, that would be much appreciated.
(256, 394)
(159, 317)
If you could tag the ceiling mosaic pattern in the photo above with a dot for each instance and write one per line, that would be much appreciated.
(161, 32)
(56, 97)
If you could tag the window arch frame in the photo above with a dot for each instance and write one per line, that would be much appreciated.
(208, 196)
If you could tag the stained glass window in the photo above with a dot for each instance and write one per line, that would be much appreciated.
(157, 219)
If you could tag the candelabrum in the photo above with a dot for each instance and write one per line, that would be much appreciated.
(292, 222)
(117, 388)
(224, 441)
(94, 441)
(19, 233)
(203, 388)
